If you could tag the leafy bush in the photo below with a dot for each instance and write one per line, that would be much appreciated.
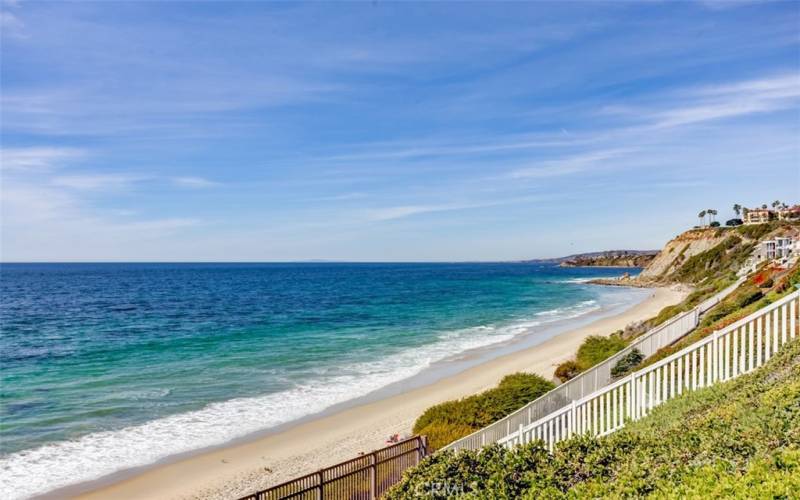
(627, 363)
(733, 222)
(714, 224)
(448, 421)
(440, 434)
(567, 370)
(737, 439)
(597, 348)
(592, 351)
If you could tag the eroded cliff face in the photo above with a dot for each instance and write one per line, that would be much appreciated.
(678, 250)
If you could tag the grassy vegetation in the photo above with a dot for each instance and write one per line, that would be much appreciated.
(451, 420)
(758, 231)
(738, 439)
(721, 260)
(592, 350)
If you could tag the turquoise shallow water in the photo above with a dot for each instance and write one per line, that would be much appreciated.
(109, 366)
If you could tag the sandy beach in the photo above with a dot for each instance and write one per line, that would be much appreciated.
(238, 469)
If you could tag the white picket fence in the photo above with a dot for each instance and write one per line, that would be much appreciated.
(591, 380)
(726, 354)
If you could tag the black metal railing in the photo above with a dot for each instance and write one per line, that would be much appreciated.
(366, 477)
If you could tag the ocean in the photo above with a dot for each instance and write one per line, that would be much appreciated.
(111, 366)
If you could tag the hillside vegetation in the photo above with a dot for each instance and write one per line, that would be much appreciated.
(736, 439)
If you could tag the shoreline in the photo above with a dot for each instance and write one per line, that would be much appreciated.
(255, 462)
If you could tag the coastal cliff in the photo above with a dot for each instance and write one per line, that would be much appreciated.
(679, 250)
(701, 256)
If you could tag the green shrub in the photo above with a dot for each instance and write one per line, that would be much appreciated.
(597, 348)
(592, 351)
(567, 370)
(737, 439)
(440, 434)
(627, 363)
(451, 420)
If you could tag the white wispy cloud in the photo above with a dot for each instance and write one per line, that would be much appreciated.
(732, 100)
(97, 182)
(570, 164)
(37, 158)
(408, 150)
(193, 182)
(402, 211)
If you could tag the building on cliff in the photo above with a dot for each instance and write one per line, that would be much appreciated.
(758, 215)
(764, 215)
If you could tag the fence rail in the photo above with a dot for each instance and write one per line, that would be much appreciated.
(366, 477)
(591, 380)
(736, 349)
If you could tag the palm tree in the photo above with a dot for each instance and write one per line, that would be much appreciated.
(713, 215)
(702, 216)
(737, 209)
(776, 203)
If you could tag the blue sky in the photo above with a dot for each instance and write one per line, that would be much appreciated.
(388, 131)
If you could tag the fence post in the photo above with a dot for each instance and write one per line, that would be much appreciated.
(715, 371)
(319, 488)
(373, 476)
(572, 416)
(632, 396)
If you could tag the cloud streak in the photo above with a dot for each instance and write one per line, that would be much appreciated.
(37, 158)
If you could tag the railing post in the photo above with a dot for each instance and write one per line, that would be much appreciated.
(632, 396)
(373, 476)
(715, 358)
(319, 487)
(572, 416)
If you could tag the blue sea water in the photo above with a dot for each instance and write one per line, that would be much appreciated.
(110, 366)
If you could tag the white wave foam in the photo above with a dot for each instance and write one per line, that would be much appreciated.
(579, 280)
(92, 456)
